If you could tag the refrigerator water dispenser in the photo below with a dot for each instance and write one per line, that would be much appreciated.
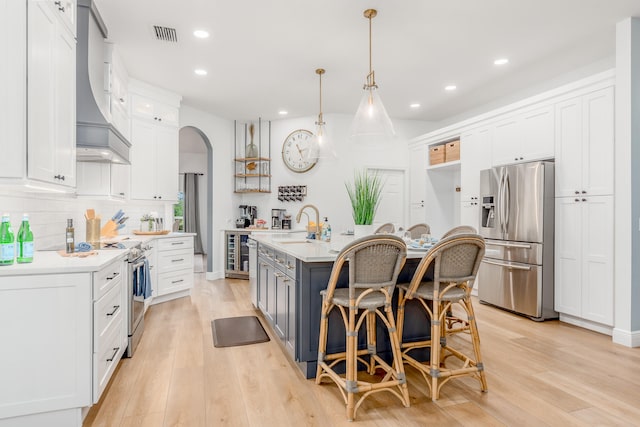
(488, 212)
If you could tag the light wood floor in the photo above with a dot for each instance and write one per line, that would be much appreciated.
(538, 374)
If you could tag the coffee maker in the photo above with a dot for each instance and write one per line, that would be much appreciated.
(248, 215)
(277, 215)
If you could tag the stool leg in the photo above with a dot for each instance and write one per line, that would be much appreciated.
(398, 364)
(400, 316)
(322, 344)
(351, 361)
(435, 348)
(475, 338)
(371, 340)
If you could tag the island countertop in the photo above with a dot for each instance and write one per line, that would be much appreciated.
(313, 251)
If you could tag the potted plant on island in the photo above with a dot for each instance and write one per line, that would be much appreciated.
(364, 193)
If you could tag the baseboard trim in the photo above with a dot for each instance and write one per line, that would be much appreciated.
(587, 324)
(214, 275)
(626, 338)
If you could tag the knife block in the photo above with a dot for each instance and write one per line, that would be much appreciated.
(110, 229)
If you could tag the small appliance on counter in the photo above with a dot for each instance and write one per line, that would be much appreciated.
(286, 222)
(277, 216)
(248, 215)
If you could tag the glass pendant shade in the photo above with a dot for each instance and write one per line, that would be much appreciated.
(371, 121)
(323, 143)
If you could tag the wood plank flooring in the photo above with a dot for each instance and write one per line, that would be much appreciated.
(539, 374)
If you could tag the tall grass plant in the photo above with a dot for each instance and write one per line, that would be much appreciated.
(364, 193)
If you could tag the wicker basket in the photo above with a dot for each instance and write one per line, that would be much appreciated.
(452, 151)
(436, 154)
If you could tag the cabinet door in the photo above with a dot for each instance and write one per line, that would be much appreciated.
(568, 169)
(417, 184)
(167, 152)
(536, 132)
(41, 75)
(597, 259)
(568, 259)
(143, 160)
(119, 181)
(470, 213)
(65, 108)
(506, 143)
(280, 312)
(13, 90)
(475, 155)
(263, 280)
(598, 131)
(290, 338)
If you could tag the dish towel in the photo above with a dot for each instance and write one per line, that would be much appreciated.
(142, 281)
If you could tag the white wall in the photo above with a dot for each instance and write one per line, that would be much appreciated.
(326, 180)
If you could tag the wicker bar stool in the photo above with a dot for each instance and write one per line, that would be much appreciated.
(418, 230)
(456, 261)
(387, 228)
(374, 264)
(460, 229)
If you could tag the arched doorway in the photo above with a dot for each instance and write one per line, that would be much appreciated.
(196, 156)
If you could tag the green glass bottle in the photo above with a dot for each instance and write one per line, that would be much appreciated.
(7, 242)
(25, 241)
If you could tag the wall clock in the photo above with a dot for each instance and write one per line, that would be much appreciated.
(295, 148)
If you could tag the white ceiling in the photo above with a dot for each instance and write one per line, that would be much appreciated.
(262, 55)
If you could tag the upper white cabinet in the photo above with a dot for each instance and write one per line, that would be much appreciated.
(51, 113)
(154, 140)
(584, 144)
(475, 155)
(13, 89)
(110, 180)
(524, 137)
(417, 183)
(116, 82)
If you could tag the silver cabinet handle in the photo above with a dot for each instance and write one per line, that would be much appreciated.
(279, 261)
(177, 260)
(113, 276)
(262, 264)
(510, 245)
(115, 308)
(513, 267)
(176, 243)
(177, 281)
(280, 275)
(113, 356)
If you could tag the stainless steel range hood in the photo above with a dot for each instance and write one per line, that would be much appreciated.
(97, 140)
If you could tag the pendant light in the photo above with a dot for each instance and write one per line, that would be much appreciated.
(371, 123)
(321, 145)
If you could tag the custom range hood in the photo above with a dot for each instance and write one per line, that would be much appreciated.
(97, 140)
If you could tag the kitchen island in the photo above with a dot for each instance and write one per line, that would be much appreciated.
(291, 273)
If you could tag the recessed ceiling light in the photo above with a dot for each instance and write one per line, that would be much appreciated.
(283, 113)
(200, 72)
(501, 61)
(450, 87)
(201, 34)
(415, 105)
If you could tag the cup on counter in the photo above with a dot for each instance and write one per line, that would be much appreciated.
(93, 232)
(425, 238)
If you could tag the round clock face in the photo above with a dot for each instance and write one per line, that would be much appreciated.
(295, 151)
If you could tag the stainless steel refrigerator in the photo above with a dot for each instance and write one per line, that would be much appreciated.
(516, 220)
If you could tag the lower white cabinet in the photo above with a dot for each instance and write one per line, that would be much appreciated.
(45, 364)
(173, 266)
(584, 286)
(109, 323)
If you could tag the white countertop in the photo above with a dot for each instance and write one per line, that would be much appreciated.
(51, 262)
(266, 230)
(313, 251)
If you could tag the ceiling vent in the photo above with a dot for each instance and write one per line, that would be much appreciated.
(165, 34)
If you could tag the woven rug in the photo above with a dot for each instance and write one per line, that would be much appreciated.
(235, 331)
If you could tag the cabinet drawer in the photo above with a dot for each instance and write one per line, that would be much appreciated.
(108, 311)
(106, 358)
(175, 260)
(265, 252)
(280, 259)
(175, 243)
(290, 266)
(175, 281)
(106, 278)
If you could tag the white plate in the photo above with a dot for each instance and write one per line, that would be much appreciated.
(421, 249)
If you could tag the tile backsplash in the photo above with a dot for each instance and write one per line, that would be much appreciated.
(48, 213)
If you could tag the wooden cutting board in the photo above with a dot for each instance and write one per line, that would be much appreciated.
(150, 233)
(77, 254)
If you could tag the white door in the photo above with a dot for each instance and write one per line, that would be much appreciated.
(417, 184)
(392, 203)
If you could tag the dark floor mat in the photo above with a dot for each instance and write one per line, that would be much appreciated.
(234, 331)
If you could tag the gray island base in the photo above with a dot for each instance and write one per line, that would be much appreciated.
(290, 276)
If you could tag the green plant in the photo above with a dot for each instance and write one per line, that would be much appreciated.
(364, 193)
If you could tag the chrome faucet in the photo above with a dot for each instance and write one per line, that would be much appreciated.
(317, 218)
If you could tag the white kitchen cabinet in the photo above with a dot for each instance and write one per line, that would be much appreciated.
(154, 139)
(116, 82)
(109, 180)
(417, 183)
(584, 285)
(174, 268)
(109, 323)
(13, 90)
(45, 364)
(66, 13)
(585, 145)
(526, 136)
(154, 161)
(51, 114)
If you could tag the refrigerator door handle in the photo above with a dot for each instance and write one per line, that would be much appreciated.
(510, 266)
(506, 201)
(500, 205)
(510, 245)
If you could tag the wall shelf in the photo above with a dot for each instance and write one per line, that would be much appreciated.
(252, 157)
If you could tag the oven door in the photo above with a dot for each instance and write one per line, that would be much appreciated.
(136, 305)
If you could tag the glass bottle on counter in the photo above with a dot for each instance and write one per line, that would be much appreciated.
(325, 234)
(25, 241)
(70, 237)
(7, 242)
